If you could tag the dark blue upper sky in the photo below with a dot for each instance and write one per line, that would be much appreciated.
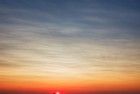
(111, 19)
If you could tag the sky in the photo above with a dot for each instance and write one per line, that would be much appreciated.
(70, 45)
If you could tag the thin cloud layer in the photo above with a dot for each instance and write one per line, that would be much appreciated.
(87, 40)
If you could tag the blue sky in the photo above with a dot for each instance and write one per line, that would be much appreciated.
(118, 19)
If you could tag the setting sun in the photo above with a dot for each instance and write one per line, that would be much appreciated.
(57, 92)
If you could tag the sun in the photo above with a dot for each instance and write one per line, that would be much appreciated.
(57, 92)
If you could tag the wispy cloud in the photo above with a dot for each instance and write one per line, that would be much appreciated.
(71, 42)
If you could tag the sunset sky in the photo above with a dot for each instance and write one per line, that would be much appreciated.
(70, 46)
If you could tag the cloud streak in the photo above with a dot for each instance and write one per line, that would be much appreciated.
(70, 41)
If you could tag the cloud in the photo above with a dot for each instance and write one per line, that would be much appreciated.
(7, 65)
(71, 42)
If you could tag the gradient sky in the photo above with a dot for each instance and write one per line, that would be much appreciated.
(70, 44)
